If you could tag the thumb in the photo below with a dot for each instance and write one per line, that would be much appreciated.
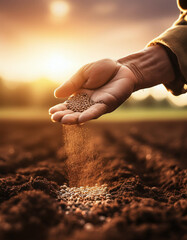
(71, 86)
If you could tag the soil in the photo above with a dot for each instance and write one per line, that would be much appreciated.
(142, 163)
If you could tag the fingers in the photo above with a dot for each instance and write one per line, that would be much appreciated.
(71, 118)
(90, 76)
(71, 86)
(66, 117)
(100, 72)
(58, 107)
(93, 112)
(57, 116)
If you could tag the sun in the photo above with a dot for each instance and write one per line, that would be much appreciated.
(59, 9)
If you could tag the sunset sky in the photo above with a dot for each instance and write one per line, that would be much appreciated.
(52, 39)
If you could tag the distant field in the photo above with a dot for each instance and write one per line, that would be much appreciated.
(146, 114)
(118, 115)
(23, 113)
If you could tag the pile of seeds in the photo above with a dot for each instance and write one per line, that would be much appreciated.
(84, 199)
(79, 102)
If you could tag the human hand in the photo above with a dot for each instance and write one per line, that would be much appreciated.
(107, 82)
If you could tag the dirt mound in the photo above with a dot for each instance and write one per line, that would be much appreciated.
(28, 215)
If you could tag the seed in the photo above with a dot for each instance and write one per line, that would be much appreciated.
(80, 102)
(81, 200)
(88, 226)
(102, 218)
(62, 191)
(82, 222)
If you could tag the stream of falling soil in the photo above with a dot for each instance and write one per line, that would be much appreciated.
(79, 151)
(78, 197)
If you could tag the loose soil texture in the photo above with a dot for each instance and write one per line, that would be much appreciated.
(139, 166)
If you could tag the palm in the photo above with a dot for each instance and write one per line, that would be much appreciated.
(111, 91)
(116, 91)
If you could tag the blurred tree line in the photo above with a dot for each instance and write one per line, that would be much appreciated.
(39, 94)
(27, 94)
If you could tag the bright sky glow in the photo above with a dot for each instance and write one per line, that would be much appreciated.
(59, 8)
(50, 60)
(180, 101)
(56, 66)
(54, 38)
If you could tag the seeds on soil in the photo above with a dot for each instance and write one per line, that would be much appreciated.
(83, 199)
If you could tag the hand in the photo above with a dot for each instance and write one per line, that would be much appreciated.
(105, 81)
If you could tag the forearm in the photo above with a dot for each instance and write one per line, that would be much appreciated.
(151, 66)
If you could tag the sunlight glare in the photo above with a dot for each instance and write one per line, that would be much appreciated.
(179, 101)
(56, 66)
(141, 94)
(59, 9)
(158, 92)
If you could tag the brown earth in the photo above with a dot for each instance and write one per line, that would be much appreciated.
(143, 164)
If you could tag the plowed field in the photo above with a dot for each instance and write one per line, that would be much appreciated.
(142, 164)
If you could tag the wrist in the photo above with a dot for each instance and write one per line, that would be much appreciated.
(151, 67)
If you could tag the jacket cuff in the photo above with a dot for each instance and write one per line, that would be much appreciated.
(177, 86)
(174, 42)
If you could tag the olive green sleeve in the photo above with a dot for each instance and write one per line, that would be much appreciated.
(175, 39)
